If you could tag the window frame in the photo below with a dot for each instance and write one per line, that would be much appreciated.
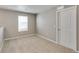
(20, 28)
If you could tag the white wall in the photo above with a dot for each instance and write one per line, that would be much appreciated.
(46, 23)
(9, 19)
(78, 28)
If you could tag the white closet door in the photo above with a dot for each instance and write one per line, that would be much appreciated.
(67, 28)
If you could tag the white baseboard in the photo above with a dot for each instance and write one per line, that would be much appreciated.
(41, 36)
(76, 51)
(28, 35)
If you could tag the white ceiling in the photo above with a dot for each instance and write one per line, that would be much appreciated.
(28, 8)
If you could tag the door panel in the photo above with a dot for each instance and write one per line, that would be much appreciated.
(67, 28)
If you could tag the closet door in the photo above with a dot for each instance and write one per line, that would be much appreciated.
(67, 27)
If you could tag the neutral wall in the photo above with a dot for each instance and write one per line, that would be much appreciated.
(78, 27)
(9, 19)
(46, 23)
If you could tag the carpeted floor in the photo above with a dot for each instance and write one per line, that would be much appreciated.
(33, 44)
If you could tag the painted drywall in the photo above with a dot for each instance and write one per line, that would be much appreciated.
(78, 28)
(46, 24)
(9, 20)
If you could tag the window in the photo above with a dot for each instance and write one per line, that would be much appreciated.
(22, 23)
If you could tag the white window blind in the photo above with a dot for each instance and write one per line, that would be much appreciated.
(22, 23)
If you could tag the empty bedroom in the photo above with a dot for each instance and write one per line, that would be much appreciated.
(39, 28)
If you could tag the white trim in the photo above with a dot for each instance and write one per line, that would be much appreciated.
(41, 36)
(51, 40)
(66, 9)
(77, 51)
(60, 7)
(20, 36)
(57, 13)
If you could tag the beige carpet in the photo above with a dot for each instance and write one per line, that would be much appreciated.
(32, 44)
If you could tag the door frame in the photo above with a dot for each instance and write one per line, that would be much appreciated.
(57, 23)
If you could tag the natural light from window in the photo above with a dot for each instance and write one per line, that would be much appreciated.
(22, 23)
